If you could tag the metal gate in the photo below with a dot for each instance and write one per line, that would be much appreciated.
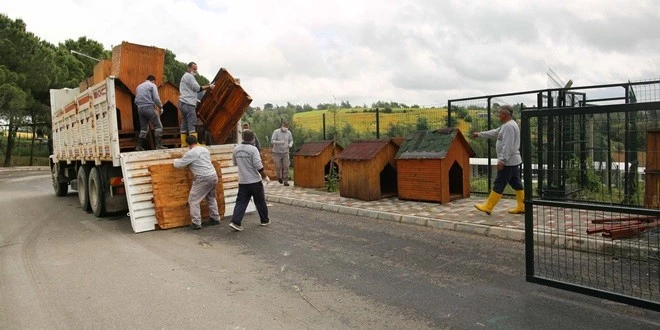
(591, 173)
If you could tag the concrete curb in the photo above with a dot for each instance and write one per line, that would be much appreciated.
(24, 168)
(470, 228)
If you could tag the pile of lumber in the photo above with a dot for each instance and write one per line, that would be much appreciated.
(625, 227)
(170, 189)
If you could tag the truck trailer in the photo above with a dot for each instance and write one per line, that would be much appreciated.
(93, 143)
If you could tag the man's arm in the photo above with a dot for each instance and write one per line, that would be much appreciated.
(290, 136)
(155, 97)
(188, 158)
(492, 134)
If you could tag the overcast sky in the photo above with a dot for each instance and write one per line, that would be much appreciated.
(412, 51)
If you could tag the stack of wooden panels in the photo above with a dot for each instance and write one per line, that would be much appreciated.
(269, 164)
(170, 190)
(625, 227)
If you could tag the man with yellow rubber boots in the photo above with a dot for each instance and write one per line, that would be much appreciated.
(508, 161)
(188, 89)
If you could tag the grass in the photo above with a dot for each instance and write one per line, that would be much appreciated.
(366, 121)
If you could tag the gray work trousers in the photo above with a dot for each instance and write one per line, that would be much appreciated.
(282, 164)
(188, 117)
(148, 115)
(203, 188)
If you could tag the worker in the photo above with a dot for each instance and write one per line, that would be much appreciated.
(188, 89)
(149, 108)
(205, 181)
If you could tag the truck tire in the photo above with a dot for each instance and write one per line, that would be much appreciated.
(61, 188)
(96, 195)
(83, 191)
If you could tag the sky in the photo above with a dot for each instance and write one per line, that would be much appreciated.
(420, 52)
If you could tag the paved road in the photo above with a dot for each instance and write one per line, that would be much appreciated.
(63, 268)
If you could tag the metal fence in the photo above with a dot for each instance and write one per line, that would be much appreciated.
(591, 174)
(29, 148)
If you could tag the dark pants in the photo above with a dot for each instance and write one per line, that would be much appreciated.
(148, 115)
(245, 191)
(508, 175)
(188, 117)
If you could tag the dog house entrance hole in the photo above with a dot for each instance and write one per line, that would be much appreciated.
(455, 182)
(388, 181)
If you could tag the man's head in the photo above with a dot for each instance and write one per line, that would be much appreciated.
(151, 78)
(285, 126)
(248, 136)
(191, 140)
(506, 113)
(192, 68)
(246, 126)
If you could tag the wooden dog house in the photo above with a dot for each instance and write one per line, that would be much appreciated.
(368, 170)
(434, 166)
(312, 162)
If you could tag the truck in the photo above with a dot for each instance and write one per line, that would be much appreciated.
(95, 127)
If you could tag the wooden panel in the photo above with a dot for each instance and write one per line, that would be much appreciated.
(132, 63)
(269, 164)
(102, 70)
(222, 108)
(124, 103)
(653, 150)
(419, 180)
(170, 190)
(458, 152)
(652, 192)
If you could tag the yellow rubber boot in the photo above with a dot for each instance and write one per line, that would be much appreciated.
(520, 203)
(183, 140)
(490, 203)
(198, 141)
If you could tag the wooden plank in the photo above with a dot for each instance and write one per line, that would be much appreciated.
(640, 218)
(170, 190)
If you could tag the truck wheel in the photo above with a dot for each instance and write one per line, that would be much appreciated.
(61, 188)
(96, 200)
(83, 192)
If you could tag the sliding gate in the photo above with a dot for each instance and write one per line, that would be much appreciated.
(592, 187)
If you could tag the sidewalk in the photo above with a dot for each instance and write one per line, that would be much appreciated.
(460, 215)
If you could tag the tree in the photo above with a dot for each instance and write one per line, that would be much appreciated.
(422, 123)
(89, 47)
(29, 67)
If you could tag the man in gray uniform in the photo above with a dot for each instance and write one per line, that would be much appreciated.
(204, 184)
(246, 126)
(146, 100)
(188, 89)
(282, 140)
(250, 173)
(508, 161)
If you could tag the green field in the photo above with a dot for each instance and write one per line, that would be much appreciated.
(366, 121)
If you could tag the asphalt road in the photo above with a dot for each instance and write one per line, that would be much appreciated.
(63, 268)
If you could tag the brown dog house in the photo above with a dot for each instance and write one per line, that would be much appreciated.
(434, 166)
(312, 162)
(368, 170)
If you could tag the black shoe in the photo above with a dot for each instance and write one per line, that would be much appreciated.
(213, 222)
(279, 180)
(266, 223)
(235, 226)
(195, 226)
(286, 183)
